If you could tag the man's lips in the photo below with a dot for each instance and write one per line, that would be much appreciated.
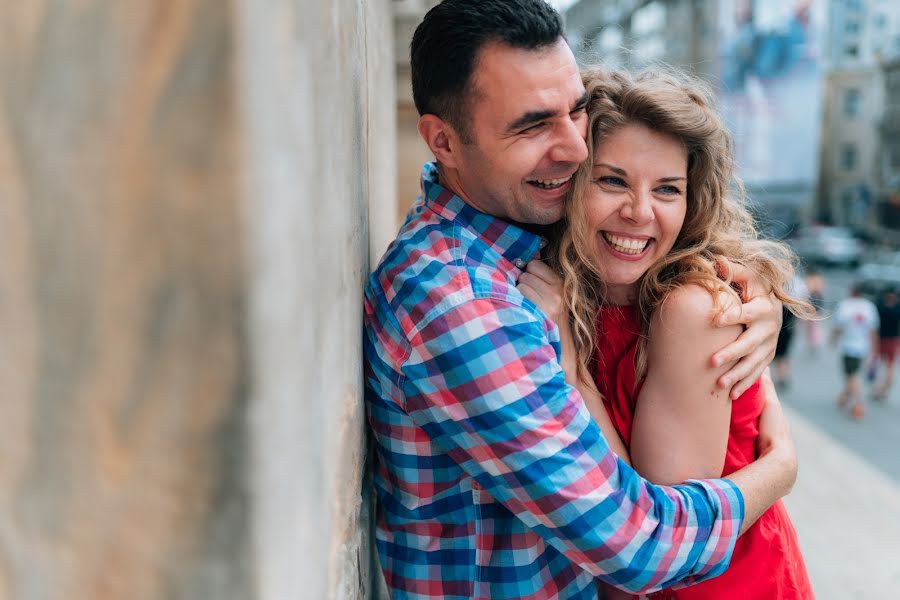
(550, 184)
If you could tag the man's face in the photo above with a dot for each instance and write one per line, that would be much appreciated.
(528, 123)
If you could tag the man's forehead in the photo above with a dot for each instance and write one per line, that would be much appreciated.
(549, 73)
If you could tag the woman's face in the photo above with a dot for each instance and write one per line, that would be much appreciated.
(635, 205)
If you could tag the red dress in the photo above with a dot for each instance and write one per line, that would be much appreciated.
(767, 564)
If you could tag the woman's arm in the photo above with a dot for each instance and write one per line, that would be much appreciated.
(682, 417)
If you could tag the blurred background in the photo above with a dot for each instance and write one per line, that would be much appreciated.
(192, 194)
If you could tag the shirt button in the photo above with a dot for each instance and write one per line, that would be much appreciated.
(519, 263)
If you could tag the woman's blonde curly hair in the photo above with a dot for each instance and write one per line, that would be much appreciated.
(717, 224)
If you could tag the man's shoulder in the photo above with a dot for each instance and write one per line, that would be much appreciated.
(433, 266)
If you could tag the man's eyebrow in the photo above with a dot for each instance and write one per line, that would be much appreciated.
(582, 102)
(530, 118)
(536, 116)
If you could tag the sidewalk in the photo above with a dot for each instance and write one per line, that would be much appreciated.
(847, 514)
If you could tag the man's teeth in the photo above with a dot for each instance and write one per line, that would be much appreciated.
(626, 245)
(550, 183)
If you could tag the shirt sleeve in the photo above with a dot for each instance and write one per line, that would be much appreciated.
(487, 387)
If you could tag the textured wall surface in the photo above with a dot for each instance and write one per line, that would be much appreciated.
(184, 231)
(121, 298)
(319, 103)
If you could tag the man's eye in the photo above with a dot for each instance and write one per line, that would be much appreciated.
(534, 128)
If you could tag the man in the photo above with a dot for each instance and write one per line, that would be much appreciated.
(856, 326)
(492, 479)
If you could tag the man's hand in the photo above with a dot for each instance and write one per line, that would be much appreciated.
(755, 347)
(775, 432)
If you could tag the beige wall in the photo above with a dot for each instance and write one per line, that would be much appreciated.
(319, 104)
(190, 195)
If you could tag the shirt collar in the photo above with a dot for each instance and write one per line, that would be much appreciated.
(515, 244)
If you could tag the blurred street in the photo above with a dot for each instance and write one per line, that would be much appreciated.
(846, 504)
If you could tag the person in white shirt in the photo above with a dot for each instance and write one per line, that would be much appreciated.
(857, 322)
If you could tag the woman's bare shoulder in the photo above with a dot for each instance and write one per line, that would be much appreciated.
(692, 306)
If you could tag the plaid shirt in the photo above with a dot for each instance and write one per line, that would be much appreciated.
(492, 479)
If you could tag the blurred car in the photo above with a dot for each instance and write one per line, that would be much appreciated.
(879, 274)
(822, 245)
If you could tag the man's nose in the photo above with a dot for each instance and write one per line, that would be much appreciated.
(570, 146)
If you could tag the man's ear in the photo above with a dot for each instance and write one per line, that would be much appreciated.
(441, 138)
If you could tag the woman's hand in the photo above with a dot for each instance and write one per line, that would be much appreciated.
(540, 284)
(754, 349)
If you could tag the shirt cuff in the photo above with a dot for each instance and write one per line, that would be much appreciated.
(724, 530)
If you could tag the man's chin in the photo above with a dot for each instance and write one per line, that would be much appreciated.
(544, 216)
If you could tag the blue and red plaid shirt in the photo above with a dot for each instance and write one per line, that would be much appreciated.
(493, 480)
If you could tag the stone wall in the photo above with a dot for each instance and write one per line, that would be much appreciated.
(191, 192)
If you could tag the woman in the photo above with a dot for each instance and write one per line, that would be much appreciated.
(650, 217)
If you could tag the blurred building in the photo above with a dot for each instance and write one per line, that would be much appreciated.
(857, 132)
(634, 33)
(888, 190)
(764, 59)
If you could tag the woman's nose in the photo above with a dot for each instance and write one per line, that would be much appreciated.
(638, 209)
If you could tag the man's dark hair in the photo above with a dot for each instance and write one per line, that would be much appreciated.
(446, 43)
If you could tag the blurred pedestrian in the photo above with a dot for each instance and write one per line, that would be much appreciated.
(888, 306)
(781, 364)
(856, 321)
(815, 329)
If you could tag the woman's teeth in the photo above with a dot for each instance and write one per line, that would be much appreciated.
(550, 184)
(626, 245)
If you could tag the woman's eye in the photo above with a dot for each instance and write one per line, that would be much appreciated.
(610, 180)
(669, 190)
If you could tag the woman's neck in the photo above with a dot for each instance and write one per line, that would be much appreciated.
(621, 294)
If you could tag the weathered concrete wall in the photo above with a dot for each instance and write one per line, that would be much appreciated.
(184, 231)
(319, 103)
(121, 302)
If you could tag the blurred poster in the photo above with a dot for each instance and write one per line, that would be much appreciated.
(770, 70)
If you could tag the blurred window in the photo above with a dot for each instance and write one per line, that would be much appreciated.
(851, 102)
(851, 27)
(848, 157)
(852, 50)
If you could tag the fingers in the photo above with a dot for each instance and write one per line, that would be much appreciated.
(545, 295)
(535, 285)
(746, 278)
(543, 272)
(529, 292)
(742, 375)
(760, 337)
(758, 308)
